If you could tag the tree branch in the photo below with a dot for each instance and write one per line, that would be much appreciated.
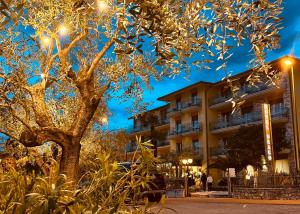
(101, 54)
(9, 135)
(66, 50)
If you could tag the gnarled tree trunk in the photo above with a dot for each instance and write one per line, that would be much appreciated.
(69, 163)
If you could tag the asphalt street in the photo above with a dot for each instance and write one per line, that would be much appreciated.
(199, 206)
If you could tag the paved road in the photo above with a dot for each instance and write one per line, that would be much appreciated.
(198, 206)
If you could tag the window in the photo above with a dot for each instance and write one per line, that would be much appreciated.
(163, 115)
(247, 113)
(196, 146)
(178, 147)
(195, 122)
(178, 126)
(226, 116)
(195, 99)
(178, 103)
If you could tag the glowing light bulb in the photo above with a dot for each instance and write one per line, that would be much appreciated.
(45, 41)
(288, 62)
(104, 120)
(63, 30)
(43, 76)
(102, 5)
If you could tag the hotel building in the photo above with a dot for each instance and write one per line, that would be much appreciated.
(199, 118)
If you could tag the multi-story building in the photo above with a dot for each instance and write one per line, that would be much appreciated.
(199, 117)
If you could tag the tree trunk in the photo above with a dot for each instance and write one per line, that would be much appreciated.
(69, 162)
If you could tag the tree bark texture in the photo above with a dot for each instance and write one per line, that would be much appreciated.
(69, 163)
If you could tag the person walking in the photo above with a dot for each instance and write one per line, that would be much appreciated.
(209, 183)
(203, 181)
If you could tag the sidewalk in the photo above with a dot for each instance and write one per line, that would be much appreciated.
(211, 194)
(237, 201)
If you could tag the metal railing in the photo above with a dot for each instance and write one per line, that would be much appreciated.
(163, 143)
(267, 181)
(132, 147)
(246, 89)
(162, 122)
(183, 129)
(194, 102)
(138, 129)
(185, 105)
(277, 111)
(215, 151)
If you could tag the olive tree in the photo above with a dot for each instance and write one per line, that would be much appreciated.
(62, 60)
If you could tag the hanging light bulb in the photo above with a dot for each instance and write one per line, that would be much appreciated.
(104, 120)
(45, 41)
(102, 5)
(63, 30)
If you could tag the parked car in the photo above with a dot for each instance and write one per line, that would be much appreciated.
(157, 186)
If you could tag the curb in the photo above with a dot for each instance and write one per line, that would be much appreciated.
(239, 201)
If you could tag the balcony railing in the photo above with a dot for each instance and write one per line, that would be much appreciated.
(277, 111)
(162, 122)
(131, 147)
(185, 105)
(163, 143)
(184, 129)
(194, 102)
(243, 90)
(215, 151)
(138, 129)
(265, 180)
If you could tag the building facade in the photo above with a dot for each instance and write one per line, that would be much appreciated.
(198, 119)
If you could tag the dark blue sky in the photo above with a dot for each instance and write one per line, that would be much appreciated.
(290, 44)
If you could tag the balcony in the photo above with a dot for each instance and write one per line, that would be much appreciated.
(185, 130)
(249, 91)
(138, 129)
(132, 147)
(194, 104)
(278, 111)
(217, 151)
(162, 123)
(163, 143)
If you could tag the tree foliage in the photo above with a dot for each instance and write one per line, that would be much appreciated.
(247, 147)
(105, 188)
(62, 60)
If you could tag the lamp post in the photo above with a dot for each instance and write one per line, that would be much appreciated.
(186, 163)
(289, 63)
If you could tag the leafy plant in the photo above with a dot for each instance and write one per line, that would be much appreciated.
(106, 188)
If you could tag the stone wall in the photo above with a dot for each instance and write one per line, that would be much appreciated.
(289, 125)
(267, 193)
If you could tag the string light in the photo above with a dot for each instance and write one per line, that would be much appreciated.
(104, 120)
(102, 5)
(45, 41)
(63, 30)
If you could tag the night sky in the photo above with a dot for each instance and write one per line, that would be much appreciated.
(290, 44)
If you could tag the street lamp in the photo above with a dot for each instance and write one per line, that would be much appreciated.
(186, 163)
(289, 62)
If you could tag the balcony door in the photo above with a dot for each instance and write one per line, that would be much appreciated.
(196, 146)
(194, 98)
(178, 126)
(178, 104)
(195, 122)
(178, 147)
